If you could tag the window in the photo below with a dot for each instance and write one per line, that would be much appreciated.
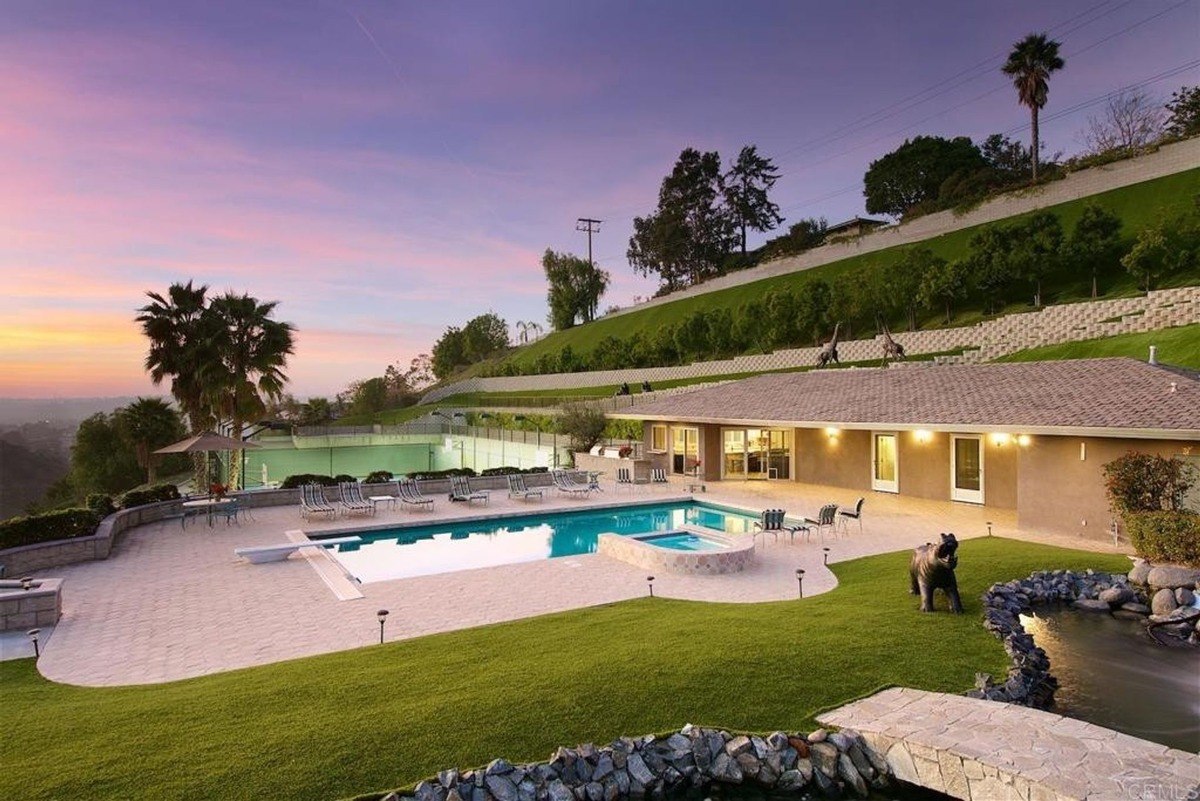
(658, 438)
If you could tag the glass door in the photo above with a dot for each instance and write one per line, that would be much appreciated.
(966, 469)
(885, 475)
(685, 450)
(758, 452)
(734, 453)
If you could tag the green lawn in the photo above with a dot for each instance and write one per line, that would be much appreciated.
(382, 716)
(1176, 346)
(1137, 205)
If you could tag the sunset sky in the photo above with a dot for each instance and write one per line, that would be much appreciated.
(386, 169)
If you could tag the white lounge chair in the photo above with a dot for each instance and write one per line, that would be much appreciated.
(351, 500)
(410, 495)
(460, 490)
(312, 501)
(564, 483)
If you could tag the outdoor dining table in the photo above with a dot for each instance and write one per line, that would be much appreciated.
(207, 504)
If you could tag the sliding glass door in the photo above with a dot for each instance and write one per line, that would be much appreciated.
(759, 453)
(685, 449)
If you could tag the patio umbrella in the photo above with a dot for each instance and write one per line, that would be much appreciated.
(204, 443)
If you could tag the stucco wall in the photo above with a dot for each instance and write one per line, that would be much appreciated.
(841, 461)
(1062, 493)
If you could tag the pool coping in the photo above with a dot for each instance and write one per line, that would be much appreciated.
(736, 556)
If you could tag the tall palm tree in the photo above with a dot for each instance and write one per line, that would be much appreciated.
(149, 423)
(1029, 65)
(250, 351)
(173, 325)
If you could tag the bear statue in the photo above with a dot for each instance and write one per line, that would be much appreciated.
(932, 569)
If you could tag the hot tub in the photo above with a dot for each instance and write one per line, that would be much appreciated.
(688, 550)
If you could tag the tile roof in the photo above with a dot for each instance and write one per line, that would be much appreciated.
(1117, 393)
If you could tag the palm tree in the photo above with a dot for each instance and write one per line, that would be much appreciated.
(149, 423)
(249, 352)
(1029, 65)
(522, 331)
(173, 326)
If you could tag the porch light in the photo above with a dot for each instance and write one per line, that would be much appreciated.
(832, 432)
(1000, 439)
(1023, 440)
(923, 435)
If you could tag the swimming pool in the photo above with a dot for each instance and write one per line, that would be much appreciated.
(389, 554)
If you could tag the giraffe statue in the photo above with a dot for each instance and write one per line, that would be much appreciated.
(891, 348)
(828, 351)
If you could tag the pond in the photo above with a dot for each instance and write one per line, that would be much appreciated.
(1111, 673)
(899, 791)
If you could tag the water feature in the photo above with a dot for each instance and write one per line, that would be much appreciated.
(1111, 673)
(899, 791)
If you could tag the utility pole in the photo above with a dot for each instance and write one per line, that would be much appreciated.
(591, 227)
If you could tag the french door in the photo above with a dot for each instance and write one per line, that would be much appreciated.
(685, 449)
(885, 469)
(966, 469)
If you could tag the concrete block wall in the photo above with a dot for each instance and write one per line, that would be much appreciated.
(984, 341)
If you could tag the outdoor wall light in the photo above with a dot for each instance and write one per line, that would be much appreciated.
(382, 615)
(922, 435)
(26, 583)
(32, 634)
(1000, 439)
(832, 433)
(1023, 440)
(800, 581)
(650, 581)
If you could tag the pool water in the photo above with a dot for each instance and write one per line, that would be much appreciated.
(682, 542)
(445, 547)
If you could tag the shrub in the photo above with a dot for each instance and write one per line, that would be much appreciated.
(1167, 536)
(422, 475)
(155, 494)
(341, 478)
(100, 503)
(63, 524)
(507, 470)
(300, 479)
(583, 424)
(378, 477)
(1142, 482)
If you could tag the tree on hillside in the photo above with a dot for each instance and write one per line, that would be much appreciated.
(1030, 64)
(944, 283)
(1035, 248)
(914, 172)
(905, 278)
(746, 187)
(575, 287)
(1184, 112)
(1147, 260)
(801, 236)
(687, 238)
(1131, 120)
(1095, 243)
(484, 336)
(148, 424)
(1008, 161)
(449, 352)
(101, 459)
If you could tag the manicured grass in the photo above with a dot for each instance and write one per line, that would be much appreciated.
(1176, 346)
(1137, 205)
(383, 716)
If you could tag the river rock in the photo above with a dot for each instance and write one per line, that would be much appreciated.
(501, 787)
(1184, 596)
(825, 757)
(737, 746)
(790, 781)
(1163, 602)
(1115, 596)
(1090, 605)
(1173, 576)
(1141, 569)
(826, 785)
(851, 775)
(1136, 607)
(638, 770)
(799, 744)
(818, 736)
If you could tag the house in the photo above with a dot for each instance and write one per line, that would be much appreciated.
(855, 226)
(1031, 437)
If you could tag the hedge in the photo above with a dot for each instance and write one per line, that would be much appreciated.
(378, 477)
(63, 524)
(100, 503)
(422, 475)
(1165, 536)
(155, 494)
(300, 479)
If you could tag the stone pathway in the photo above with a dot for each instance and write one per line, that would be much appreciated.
(171, 604)
(988, 751)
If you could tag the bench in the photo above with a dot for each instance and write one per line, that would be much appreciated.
(277, 553)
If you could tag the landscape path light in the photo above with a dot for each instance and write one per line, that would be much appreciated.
(32, 634)
(826, 555)
(382, 615)
(800, 580)
(650, 581)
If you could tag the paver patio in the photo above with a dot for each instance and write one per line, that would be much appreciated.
(171, 604)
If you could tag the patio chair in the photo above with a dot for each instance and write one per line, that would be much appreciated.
(351, 501)
(624, 478)
(772, 522)
(229, 511)
(410, 495)
(825, 519)
(517, 489)
(845, 515)
(564, 483)
(460, 490)
(658, 477)
(312, 501)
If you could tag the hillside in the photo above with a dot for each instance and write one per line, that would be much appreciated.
(1137, 205)
(25, 474)
(1176, 346)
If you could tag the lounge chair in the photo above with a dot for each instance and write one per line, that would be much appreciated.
(460, 490)
(845, 515)
(312, 501)
(410, 495)
(624, 478)
(564, 483)
(658, 477)
(825, 519)
(772, 522)
(517, 489)
(351, 501)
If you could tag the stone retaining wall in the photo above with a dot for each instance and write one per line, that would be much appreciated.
(40, 605)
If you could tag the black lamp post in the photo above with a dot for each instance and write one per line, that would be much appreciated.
(650, 581)
(989, 525)
(382, 615)
(800, 581)
(32, 634)
(826, 556)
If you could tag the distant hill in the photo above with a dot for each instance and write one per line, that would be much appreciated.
(15, 411)
(25, 474)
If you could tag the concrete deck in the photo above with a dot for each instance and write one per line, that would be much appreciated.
(171, 604)
(989, 751)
